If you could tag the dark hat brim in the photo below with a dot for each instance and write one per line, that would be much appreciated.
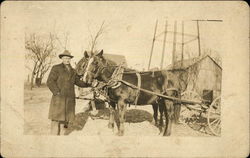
(61, 55)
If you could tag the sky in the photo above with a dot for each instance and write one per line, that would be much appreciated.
(129, 27)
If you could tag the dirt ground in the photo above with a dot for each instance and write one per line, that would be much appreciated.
(138, 119)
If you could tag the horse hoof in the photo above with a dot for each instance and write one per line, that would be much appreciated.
(111, 125)
(160, 129)
(120, 133)
(161, 132)
(95, 112)
(168, 134)
(154, 123)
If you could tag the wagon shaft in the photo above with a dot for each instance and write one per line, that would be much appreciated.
(183, 101)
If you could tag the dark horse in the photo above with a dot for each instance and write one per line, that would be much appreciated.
(101, 69)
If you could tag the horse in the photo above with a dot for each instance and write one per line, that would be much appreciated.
(125, 93)
(81, 67)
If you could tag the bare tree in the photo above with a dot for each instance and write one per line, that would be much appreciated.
(41, 52)
(65, 43)
(94, 38)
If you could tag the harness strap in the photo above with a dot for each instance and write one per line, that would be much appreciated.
(139, 87)
(116, 76)
(114, 85)
(183, 101)
(171, 89)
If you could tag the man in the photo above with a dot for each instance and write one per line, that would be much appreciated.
(61, 81)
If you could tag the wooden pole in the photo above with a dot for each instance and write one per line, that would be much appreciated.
(182, 44)
(164, 44)
(198, 37)
(174, 45)
(198, 31)
(152, 48)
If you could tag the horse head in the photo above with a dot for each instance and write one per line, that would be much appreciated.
(82, 64)
(98, 68)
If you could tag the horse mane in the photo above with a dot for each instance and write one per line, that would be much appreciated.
(79, 68)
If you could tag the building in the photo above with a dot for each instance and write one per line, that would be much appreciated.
(118, 59)
(202, 75)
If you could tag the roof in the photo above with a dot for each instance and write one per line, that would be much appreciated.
(118, 59)
(179, 65)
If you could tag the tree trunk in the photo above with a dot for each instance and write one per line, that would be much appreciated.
(31, 81)
(38, 81)
(28, 79)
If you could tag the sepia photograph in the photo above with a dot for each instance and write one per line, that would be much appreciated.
(124, 79)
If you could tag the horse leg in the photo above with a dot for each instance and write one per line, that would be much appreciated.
(111, 116)
(169, 116)
(161, 110)
(121, 112)
(155, 108)
(94, 111)
(177, 109)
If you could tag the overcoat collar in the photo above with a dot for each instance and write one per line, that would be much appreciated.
(65, 68)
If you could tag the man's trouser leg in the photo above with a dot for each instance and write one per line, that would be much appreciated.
(55, 128)
(58, 127)
(62, 128)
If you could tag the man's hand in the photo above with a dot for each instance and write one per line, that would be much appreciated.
(94, 112)
(57, 94)
(94, 83)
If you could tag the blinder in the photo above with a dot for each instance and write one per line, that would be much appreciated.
(99, 71)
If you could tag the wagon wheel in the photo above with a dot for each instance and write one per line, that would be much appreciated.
(213, 117)
(188, 111)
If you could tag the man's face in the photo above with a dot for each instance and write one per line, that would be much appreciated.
(66, 60)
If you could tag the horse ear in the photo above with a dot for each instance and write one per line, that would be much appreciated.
(86, 54)
(91, 54)
(100, 53)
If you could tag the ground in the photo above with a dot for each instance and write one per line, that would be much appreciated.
(138, 119)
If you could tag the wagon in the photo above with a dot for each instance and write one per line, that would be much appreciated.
(206, 113)
(203, 115)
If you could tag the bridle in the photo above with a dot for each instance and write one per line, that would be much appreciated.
(100, 68)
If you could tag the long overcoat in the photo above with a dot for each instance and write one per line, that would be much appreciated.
(61, 83)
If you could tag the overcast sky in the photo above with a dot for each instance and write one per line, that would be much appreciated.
(130, 26)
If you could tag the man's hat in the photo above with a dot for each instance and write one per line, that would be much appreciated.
(65, 53)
